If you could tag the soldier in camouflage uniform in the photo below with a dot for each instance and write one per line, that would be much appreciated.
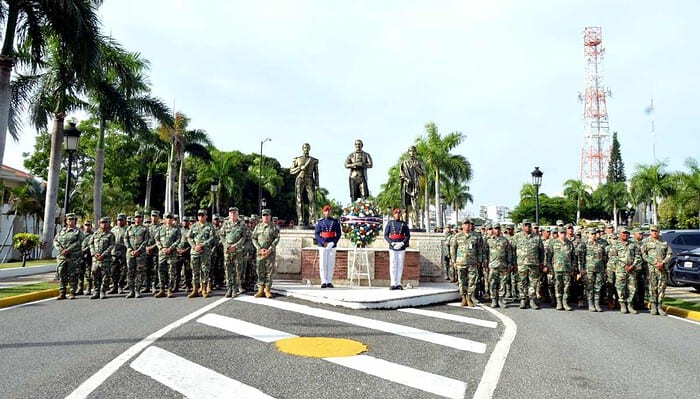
(498, 252)
(560, 258)
(251, 276)
(529, 260)
(449, 273)
(546, 288)
(466, 252)
(183, 255)
(201, 238)
(578, 279)
(86, 262)
(512, 283)
(167, 240)
(118, 264)
(101, 247)
(626, 260)
(234, 235)
(484, 288)
(657, 254)
(152, 252)
(265, 237)
(217, 257)
(136, 239)
(594, 263)
(609, 238)
(68, 244)
(642, 293)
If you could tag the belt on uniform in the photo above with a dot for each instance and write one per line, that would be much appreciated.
(396, 236)
(327, 234)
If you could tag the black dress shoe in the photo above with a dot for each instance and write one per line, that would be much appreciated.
(329, 285)
(399, 287)
(393, 287)
(324, 285)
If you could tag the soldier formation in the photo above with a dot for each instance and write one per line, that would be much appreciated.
(135, 258)
(558, 265)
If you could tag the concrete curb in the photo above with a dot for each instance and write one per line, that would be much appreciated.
(687, 314)
(27, 271)
(28, 297)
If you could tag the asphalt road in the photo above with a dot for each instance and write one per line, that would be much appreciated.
(95, 349)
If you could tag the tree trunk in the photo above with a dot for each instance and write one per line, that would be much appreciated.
(426, 206)
(578, 211)
(438, 206)
(99, 171)
(149, 184)
(52, 186)
(170, 182)
(615, 215)
(181, 189)
(7, 61)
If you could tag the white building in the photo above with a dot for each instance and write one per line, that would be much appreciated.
(495, 213)
(9, 223)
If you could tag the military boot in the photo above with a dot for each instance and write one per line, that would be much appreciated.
(229, 293)
(170, 293)
(260, 292)
(623, 307)
(533, 304)
(114, 289)
(565, 303)
(591, 307)
(61, 297)
(502, 302)
(464, 301)
(159, 294)
(596, 303)
(103, 295)
(95, 295)
(559, 304)
(268, 294)
(631, 308)
(470, 301)
(660, 309)
(494, 302)
(195, 291)
(654, 309)
(205, 290)
(89, 287)
(79, 289)
(523, 304)
(509, 294)
(131, 294)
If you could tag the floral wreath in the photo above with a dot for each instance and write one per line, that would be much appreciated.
(361, 222)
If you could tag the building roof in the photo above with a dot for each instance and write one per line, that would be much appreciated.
(12, 174)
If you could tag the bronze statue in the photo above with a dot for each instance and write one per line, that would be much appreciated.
(305, 168)
(358, 162)
(411, 170)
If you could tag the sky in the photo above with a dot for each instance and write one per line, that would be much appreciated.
(507, 74)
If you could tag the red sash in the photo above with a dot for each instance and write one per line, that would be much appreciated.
(327, 234)
(394, 236)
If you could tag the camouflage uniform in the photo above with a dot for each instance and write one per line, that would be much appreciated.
(446, 260)
(202, 236)
(594, 262)
(234, 237)
(118, 265)
(152, 253)
(529, 258)
(512, 283)
(560, 258)
(101, 245)
(251, 276)
(85, 272)
(183, 256)
(655, 251)
(136, 239)
(466, 252)
(265, 236)
(68, 240)
(626, 259)
(498, 252)
(642, 293)
(167, 240)
(217, 257)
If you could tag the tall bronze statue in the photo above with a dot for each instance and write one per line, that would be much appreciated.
(358, 162)
(305, 167)
(411, 170)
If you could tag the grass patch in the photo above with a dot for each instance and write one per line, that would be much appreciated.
(694, 306)
(25, 289)
(39, 262)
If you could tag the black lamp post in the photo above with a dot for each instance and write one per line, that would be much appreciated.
(71, 137)
(214, 189)
(260, 205)
(537, 182)
(442, 211)
(263, 204)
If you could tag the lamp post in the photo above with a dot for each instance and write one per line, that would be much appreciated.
(442, 211)
(263, 203)
(260, 205)
(537, 182)
(71, 137)
(214, 189)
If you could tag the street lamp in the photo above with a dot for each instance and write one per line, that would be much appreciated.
(260, 205)
(537, 182)
(442, 211)
(214, 189)
(71, 137)
(263, 203)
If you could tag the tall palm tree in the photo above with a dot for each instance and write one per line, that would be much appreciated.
(30, 25)
(120, 93)
(577, 190)
(435, 151)
(271, 180)
(613, 194)
(457, 194)
(690, 186)
(528, 192)
(654, 180)
(27, 200)
(220, 168)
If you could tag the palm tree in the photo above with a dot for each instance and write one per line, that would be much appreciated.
(220, 168)
(271, 181)
(654, 180)
(690, 186)
(613, 194)
(457, 195)
(153, 150)
(120, 94)
(27, 200)
(435, 152)
(577, 190)
(528, 192)
(30, 26)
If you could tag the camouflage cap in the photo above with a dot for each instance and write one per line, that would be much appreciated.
(467, 221)
(147, 222)
(168, 215)
(561, 230)
(592, 230)
(654, 227)
(560, 222)
(545, 228)
(216, 217)
(496, 226)
(138, 214)
(526, 221)
(623, 229)
(487, 225)
(155, 213)
(569, 226)
(105, 220)
(233, 209)
(71, 216)
(176, 217)
(636, 230)
(266, 212)
(601, 227)
(121, 216)
(201, 212)
(87, 223)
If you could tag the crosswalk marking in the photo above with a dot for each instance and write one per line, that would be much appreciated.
(452, 317)
(189, 378)
(422, 380)
(457, 304)
(391, 328)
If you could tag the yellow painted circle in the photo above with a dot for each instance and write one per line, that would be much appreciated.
(320, 347)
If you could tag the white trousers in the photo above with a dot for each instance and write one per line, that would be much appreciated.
(326, 263)
(396, 266)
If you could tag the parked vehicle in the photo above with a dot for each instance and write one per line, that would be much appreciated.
(687, 268)
(679, 241)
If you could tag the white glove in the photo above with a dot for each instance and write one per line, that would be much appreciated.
(397, 245)
(330, 245)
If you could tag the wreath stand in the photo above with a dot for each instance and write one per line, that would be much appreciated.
(360, 258)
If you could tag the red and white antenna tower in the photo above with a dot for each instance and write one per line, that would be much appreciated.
(595, 151)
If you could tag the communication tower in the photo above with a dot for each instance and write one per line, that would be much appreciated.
(595, 151)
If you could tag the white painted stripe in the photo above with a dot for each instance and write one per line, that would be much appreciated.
(405, 331)
(101, 376)
(428, 382)
(684, 319)
(244, 328)
(494, 367)
(190, 379)
(452, 317)
(27, 304)
(457, 304)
